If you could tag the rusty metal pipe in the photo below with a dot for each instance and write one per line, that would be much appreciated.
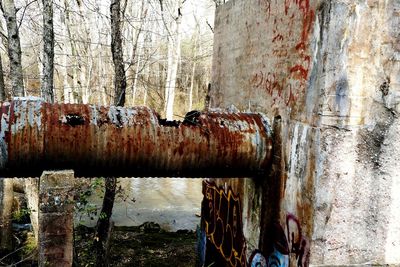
(98, 141)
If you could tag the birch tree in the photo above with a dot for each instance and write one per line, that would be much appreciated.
(174, 53)
(6, 193)
(195, 48)
(47, 91)
(17, 89)
(14, 47)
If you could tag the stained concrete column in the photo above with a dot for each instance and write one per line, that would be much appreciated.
(330, 71)
(31, 189)
(6, 200)
(56, 218)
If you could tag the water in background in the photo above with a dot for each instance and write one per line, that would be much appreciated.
(174, 203)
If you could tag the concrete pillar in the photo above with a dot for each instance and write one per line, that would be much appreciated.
(6, 201)
(31, 189)
(330, 71)
(56, 218)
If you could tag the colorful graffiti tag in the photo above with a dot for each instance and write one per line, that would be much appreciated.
(297, 243)
(257, 259)
(223, 242)
(289, 29)
(222, 223)
(285, 244)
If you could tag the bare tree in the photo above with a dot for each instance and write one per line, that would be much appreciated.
(117, 53)
(104, 226)
(195, 47)
(174, 53)
(14, 53)
(103, 230)
(137, 44)
(6, 193)
(14, 47)
(48, 52)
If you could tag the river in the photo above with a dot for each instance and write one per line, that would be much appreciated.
(173, 203)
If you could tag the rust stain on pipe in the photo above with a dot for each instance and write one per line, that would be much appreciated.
(116, 141)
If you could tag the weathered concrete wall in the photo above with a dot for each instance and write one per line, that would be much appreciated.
(356, 204)
(330, 71)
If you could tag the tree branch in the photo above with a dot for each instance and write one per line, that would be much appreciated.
(161, 5)
(23, 12)
(209, 25)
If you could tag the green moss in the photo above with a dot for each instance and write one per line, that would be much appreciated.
(30, 245)
(21, 215)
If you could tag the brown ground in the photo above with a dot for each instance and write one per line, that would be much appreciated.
(132, 246)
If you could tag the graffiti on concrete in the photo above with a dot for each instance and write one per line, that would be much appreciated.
(278, 259)
(257, 259)
(222, 223)
(274, 86)
(286, 79)
(286, 245)
(266, 7)
(297, 243)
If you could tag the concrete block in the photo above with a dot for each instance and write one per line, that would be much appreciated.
(56, 218)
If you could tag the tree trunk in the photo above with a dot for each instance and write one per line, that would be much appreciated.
(147, 76)
(136, 76)
(70, 88)
(103, 233)
(14, 48)
(174, 53)
(86, 59)
(2, 86)
(138, 49)
(101, 75)
(195, 52)
(48, 52)
(117, 55)
(66, 51)
(17, 89)
(66, 86)
(103, 229)
(87, 91)
(191, 86)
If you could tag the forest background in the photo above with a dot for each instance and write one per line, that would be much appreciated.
(155, 53)
(167, 48)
